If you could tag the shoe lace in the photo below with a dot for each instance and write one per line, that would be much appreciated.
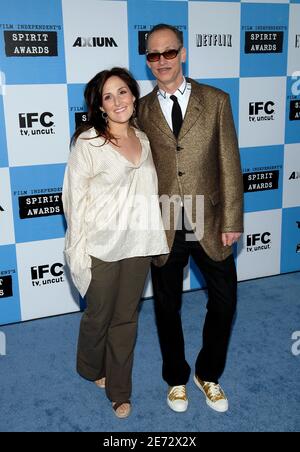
(179, 392)
(214, 391)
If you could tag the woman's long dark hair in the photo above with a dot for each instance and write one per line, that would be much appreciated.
(93, 98)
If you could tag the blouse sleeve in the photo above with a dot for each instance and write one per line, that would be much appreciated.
(75, 201)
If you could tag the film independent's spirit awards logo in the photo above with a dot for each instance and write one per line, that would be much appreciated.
(264, 39)
(30, 44)
(5, 292)
(40, 206)
(6, 287)
(257, 180)
(143, 31)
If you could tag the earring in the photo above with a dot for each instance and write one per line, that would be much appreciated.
(134, 112)
(105, 116)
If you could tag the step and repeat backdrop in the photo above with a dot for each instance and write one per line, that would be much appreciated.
(49, 50)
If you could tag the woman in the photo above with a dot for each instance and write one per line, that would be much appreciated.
(109, 184)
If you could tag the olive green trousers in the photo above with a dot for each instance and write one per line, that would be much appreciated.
(108, 326)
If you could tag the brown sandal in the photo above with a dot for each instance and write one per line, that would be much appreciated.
(125, 413)
(100, 383)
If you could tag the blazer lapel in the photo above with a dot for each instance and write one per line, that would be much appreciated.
(158, 118)
(193, 111)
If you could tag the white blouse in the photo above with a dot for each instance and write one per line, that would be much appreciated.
(111, 206)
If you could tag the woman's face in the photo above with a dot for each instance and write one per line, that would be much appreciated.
(117, 100)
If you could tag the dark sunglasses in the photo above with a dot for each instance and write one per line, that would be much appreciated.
(168, 55)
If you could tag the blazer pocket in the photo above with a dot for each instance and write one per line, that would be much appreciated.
(214, 197)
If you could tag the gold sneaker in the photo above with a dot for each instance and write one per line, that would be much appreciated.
(215, 397)
(177, 398)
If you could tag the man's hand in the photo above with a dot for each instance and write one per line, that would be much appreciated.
(229, 238)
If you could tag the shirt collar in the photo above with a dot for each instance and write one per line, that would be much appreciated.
(180, 92)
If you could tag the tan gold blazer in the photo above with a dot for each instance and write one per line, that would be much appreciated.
(203, 161)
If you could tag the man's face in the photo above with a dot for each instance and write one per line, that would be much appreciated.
(166, 71)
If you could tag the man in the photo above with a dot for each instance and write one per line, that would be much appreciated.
(194, 145)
